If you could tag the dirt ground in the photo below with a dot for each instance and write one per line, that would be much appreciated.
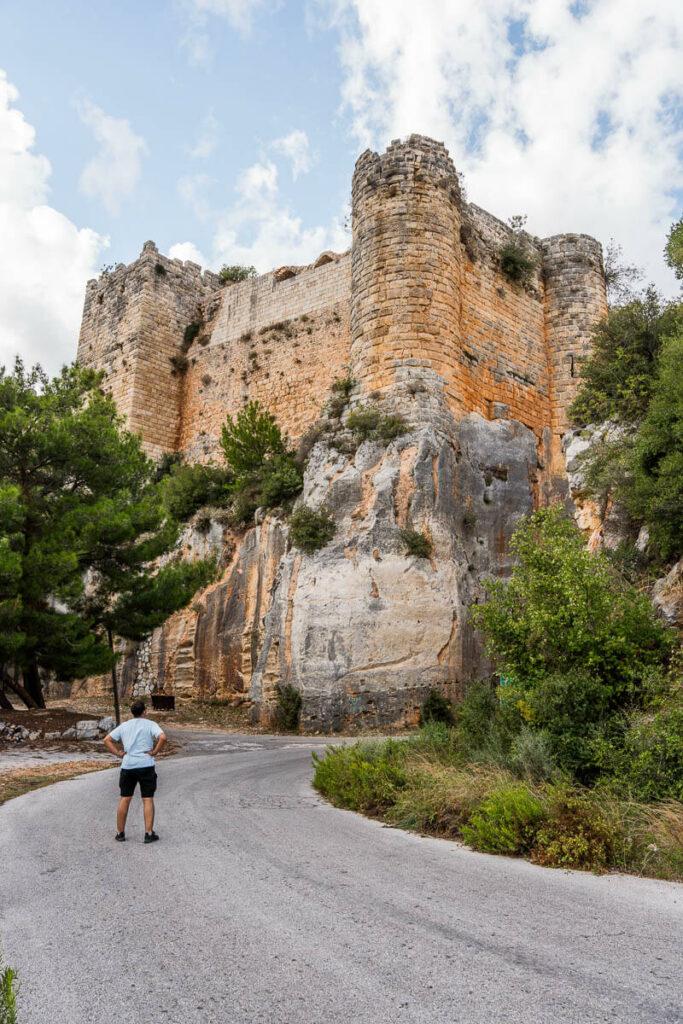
(51, 719)
(18, 781)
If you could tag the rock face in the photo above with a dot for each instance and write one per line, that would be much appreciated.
(668, 596)
(423, 320)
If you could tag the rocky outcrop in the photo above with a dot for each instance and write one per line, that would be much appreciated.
(668, 596)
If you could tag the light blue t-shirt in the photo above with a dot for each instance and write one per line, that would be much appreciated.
(138, 737)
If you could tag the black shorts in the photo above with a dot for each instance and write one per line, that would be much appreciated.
(147, 777)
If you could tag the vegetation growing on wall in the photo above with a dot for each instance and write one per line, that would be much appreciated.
(370, 423)
(311, 529)
(416, 543)
(235, 273)
(516, 258)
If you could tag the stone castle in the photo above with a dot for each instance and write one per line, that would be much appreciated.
(421, 315)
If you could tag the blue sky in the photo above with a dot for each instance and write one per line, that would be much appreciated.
(227, 130)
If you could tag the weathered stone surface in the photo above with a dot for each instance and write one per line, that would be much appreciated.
(87, 730)
(106, 724)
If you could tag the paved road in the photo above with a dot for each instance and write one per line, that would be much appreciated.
(263, 904)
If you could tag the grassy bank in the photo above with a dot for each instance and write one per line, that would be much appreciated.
(18, 781)
(427, 784)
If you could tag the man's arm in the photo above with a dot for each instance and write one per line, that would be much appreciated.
(161, 740)
(114, 748)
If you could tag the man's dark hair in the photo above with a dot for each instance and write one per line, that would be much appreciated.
(137, 708)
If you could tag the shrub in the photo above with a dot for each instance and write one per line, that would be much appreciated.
(531, 755)
(652, 763)
(343, 386)
(516, 263)
(187, 488)
(507, 821)
(281, 480)
(8, 995)
(364, 777)
(440, 798)
(486, 726)
(311, 529)
(288, 709)
(576, 832)
(417, 544)
(369, 423)
(235, 273)
(436, 709)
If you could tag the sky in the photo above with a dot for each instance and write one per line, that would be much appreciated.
(227, 130)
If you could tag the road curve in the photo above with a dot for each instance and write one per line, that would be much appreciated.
(264, 904)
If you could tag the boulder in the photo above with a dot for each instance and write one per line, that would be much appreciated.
(69, 734)
(87, 730)
(668, 596)
(106, 724)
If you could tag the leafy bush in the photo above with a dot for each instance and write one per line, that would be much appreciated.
(436, 709)
(369, 423)
(187, 488)
(617, 380)
(417, 544)
(281, 481)
(576, 832)
(565, 610)
(288, 709)
(311, 529)
(506, 821)
(8, 995)
(235, 273)
(650, 764)
(516, 263)
(364, 777)
(531, 755)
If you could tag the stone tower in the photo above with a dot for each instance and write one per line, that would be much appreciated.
(405, 285)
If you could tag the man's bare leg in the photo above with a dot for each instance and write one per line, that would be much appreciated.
(122, 813)
(148, 808)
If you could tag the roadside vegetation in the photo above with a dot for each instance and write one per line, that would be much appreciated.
(573, 755)
(17, 781)
(8, 994)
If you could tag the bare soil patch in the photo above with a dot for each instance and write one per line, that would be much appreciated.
(46, 720)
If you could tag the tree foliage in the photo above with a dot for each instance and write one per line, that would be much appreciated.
(673, 252)
(618, 379)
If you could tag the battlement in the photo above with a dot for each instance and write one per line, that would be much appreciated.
(419, 309)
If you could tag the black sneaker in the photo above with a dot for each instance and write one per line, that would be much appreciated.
(120, 837)
(151, 837)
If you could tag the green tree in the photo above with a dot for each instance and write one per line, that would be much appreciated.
(264, 469)
(565, 609)
(79, 517)
(618, 378)
(653, 493)
(129, 591)
(673, 253)
(187, 488)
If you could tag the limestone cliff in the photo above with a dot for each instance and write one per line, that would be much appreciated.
(422, 316)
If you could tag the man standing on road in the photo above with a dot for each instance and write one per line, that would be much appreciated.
(138, 741)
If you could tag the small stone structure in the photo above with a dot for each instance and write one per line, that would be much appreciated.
(421, 315)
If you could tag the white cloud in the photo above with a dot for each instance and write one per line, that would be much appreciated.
(45, 260)
(193, 188)
(296, 148)
(207, 138)
(114, 171)
(562, 112)
(259, 229)
(187, 251)
(197, 39)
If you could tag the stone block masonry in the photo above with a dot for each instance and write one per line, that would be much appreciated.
(419, 309)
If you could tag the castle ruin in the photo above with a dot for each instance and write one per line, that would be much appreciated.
(421, 315)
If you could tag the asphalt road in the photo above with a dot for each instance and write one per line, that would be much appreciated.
(263, 904)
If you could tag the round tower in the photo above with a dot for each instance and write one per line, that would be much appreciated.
(405, 308)
(575, 300)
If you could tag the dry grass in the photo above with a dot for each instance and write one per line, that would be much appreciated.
(18, 781)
